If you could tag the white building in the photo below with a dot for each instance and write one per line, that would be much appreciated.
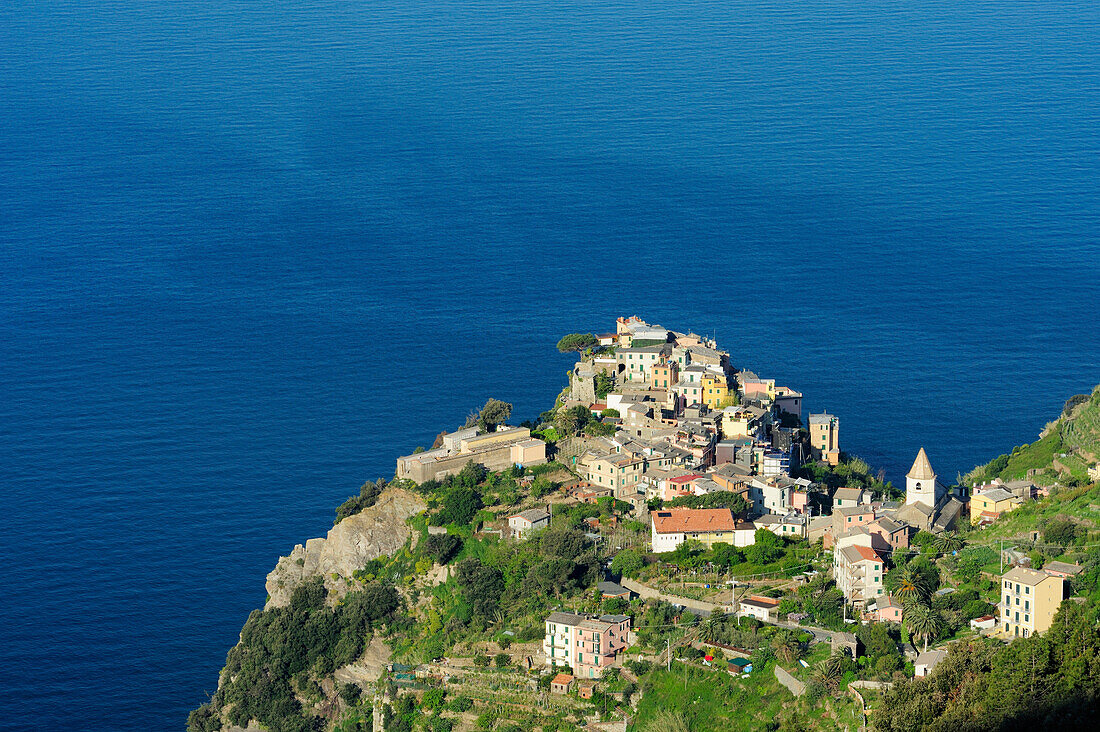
(761, 608)
(858, 571)
(525, 523)
(928, 661)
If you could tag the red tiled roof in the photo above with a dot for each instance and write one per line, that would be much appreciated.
(685, 478)
(675, 521)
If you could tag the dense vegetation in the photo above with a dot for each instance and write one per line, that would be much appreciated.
(285, 652)
(1046, 681)
(851, 472)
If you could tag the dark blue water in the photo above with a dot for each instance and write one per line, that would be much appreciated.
(251, 251)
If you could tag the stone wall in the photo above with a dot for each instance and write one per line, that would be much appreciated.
(793, 685)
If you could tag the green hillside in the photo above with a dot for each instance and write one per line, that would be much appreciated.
(1068, 447)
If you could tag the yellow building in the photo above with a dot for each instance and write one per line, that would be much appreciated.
(738, 422)
(716, 390)
(1029, 600)
(989, 504)
(611, 471)
(825, 437)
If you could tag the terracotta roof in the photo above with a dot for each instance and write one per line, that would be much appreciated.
(685, 478)
(562, 679)
(922, 469)
(674, 521)
(758, 601)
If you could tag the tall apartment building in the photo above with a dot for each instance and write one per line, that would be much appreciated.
(825, 437)
(1029, 601)
(858, 571)
(586, 643)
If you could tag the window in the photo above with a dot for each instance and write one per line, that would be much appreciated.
(1027, 605)
(1027, 590)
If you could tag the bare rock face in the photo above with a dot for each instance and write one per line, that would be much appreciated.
(350, 544)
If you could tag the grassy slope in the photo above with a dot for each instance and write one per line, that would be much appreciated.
(711, 700)
(1073, 441)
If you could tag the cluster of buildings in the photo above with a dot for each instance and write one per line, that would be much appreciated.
(863, 533)
(991, 500)
(1029, 601)
(690, 424)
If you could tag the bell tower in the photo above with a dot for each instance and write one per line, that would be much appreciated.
(920, 482)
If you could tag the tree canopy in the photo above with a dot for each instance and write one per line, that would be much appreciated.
(576, 342)
(493, 413)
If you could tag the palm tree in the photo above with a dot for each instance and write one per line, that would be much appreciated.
(787, 648)
(948, 542)
(922, 622)
(910, 586)
(827, 672)
(714, 624)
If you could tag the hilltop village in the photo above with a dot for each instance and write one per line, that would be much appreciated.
(673, 522)
(676, 421)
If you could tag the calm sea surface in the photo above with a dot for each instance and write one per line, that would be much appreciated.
(251, 251)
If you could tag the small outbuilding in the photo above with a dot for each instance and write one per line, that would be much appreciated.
(1062, 569)
(561, 684)
(985, 622)
(927, 662)
(740, 666)
(759, 607)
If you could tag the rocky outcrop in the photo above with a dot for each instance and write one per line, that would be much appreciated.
(353, 542)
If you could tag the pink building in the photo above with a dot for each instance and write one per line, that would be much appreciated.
(681, 485)
(890, 533)
(585, 643)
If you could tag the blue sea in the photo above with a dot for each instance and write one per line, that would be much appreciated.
(250, 251)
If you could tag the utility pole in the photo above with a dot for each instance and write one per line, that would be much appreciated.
(668, 655)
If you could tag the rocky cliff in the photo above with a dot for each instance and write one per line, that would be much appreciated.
(353, 542)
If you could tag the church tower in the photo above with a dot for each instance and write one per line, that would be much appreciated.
(920, 483)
